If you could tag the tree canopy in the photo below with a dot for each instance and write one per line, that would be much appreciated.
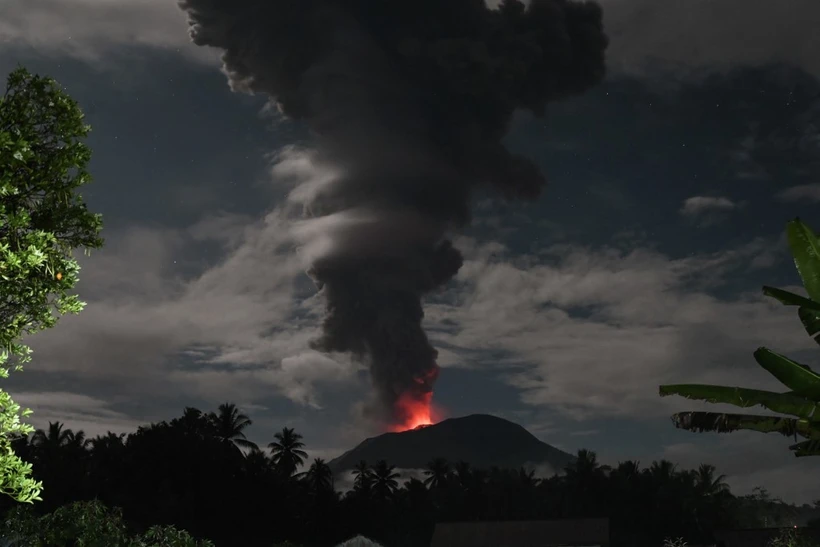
(183, 472)
(43, 161)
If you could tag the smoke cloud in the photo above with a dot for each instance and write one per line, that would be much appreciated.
(408, 101)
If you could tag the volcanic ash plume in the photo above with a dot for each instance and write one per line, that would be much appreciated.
(409, 101)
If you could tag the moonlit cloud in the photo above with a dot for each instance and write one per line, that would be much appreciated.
(593, 332)
(697, 205)
(239, 323)
(803, 192)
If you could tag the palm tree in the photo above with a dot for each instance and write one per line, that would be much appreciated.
(584, 482)
(662, 472)
(363, 477)
(384, 480)
(462, 474)
(526, 478)
(287, 451)
(229, 424)
(707, 483)
(194, 422)
(110, 441)
(585, 469)
(56, 437)
(257, 463)
(62, 460)
(628, 470)
(319, 477)
(77, 441)
(437, 472)
(107, 454)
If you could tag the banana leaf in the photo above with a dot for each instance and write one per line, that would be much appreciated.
(806, 448)
(795, 376)
(811, 322)
(721, 422)
(806, 252)
(783, 403)
(790, 299)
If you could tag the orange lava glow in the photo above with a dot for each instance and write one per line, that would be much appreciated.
(418, 411)
(414, 408)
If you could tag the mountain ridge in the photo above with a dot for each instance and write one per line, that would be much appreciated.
(482, 440)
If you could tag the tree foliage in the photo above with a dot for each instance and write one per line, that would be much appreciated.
(802, 400)
(183, 472)
(43, 161)
(88, 523)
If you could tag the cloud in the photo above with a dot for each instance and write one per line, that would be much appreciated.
(698, 205)
(92, 29)
(593, 332)
(76, 410)
(698, 33)
(803, 192)
(160, 319)
(704, 33)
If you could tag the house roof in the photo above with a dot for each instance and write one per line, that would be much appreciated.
(359, 541)
(540, 533)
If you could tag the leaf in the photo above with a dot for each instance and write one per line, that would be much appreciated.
(784, 403)
(806, 448)
(789, 298)
(795, 376)
(811, 322)
(806, 252)
(722, 422)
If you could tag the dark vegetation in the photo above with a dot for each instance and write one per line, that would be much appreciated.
(192, 472)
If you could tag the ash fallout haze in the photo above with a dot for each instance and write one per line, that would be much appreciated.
(410, 101)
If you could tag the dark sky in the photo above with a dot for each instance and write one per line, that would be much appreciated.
(669, 188)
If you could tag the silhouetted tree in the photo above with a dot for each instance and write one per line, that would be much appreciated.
(319, 477)
(385, 480)
(229, 425)
(287, 452)
(189, 473)
(362, 477)
(437, 472)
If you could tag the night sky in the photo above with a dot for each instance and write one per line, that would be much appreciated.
(669, 187)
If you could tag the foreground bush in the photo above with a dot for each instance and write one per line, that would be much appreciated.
(86, 523)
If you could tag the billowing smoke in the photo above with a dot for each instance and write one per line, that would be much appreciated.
(409, 101)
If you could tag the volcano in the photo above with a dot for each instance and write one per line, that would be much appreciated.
(481, 440)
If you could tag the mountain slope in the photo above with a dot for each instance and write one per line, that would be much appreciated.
(480, 439)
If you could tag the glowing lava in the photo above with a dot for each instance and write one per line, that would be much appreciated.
(414, 408)
(416, 411)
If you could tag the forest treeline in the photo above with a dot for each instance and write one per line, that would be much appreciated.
(199, 473)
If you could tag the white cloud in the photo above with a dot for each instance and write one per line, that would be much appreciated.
(240, 323)
(698, 205)
(76, 411)
(803, 192)
(592, 333)
(92, 29)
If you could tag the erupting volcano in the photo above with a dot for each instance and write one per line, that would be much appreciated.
(414, 412)
(414, 408)
(408, 102)
(480, 440)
